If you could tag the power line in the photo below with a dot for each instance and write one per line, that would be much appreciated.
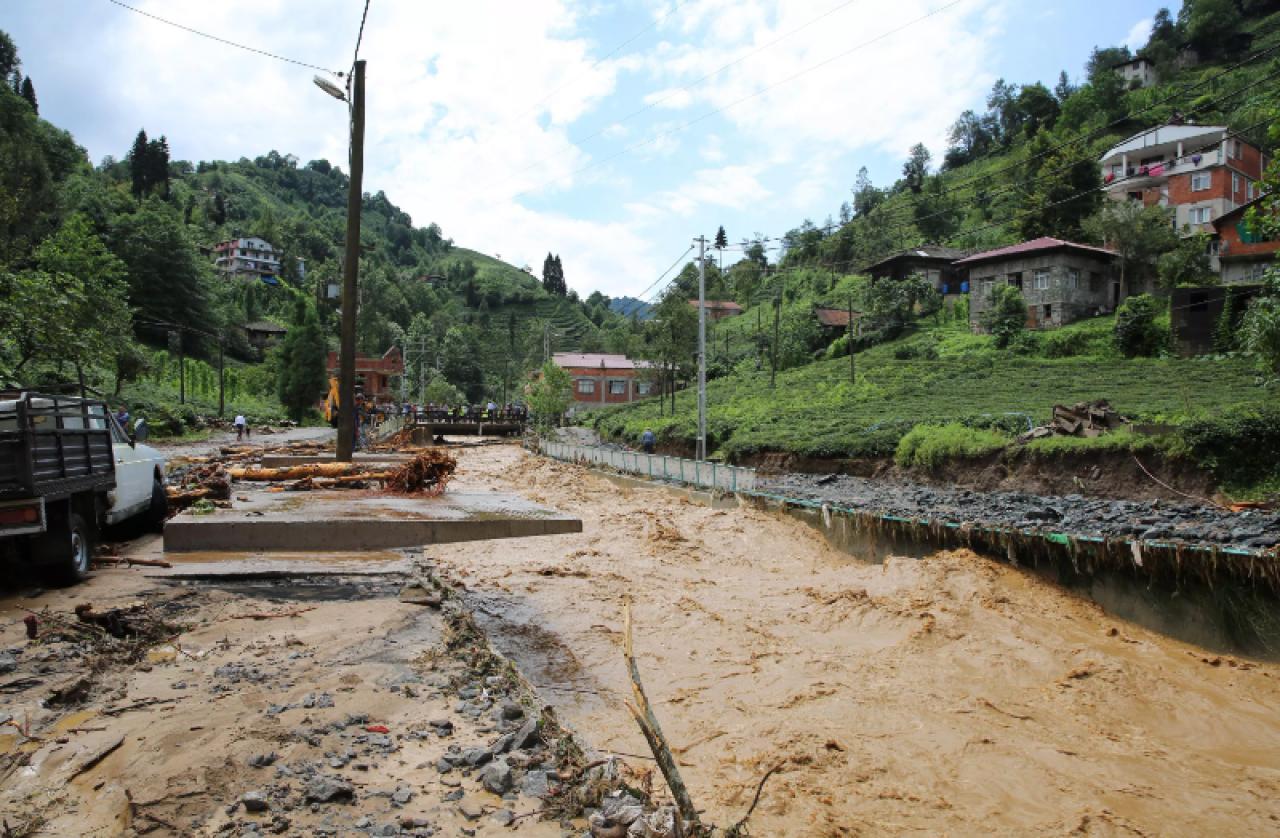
(337, 73)
(678, 260)
(360, 36)
(685, 126)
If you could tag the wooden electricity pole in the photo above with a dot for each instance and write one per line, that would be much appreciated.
(773, 361)
(853, 372)
(350, 273)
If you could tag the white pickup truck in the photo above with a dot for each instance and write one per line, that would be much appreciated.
(67, 470)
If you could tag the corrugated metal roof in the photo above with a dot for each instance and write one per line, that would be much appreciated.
(1042, 243)
(264, 326)
(719, 305)
(834, 316)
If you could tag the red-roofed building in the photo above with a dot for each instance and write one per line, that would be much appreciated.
(719, 309)
(834, 318)
(1061, 281)
(600, 379)
(373, 375)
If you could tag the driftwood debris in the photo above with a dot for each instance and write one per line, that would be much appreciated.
(127, 561)
(648, 722)
(1086, 419)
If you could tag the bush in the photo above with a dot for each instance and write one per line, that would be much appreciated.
(928, 446)
(1137, 333)
(1066, 344)
(1241, 447)
(1007, 316)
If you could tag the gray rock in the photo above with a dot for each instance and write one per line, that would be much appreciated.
(262, 760)
(510, 711)
(527, 736)
(388, 829)
(402, 795)
(254, 801)
(444, 766)
(456, 794)
(477, 756)
(8, 662)
(496, 777)
(503, 817)
(535, 784)
(330, 789)
(471, 811)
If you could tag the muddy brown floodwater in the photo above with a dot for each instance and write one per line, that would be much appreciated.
(949, 695)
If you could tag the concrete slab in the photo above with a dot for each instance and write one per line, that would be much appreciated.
(340, 521)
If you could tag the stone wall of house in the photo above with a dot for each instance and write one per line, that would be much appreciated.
(1077, 286)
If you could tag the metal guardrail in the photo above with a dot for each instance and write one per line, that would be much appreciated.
(705, 475)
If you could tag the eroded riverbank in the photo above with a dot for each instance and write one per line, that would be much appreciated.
(947, 695)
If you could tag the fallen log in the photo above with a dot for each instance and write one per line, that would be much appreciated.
(299, 471)
(124, 560)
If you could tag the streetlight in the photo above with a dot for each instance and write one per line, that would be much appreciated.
(351, 265)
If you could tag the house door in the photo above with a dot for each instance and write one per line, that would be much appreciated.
(1115, 295)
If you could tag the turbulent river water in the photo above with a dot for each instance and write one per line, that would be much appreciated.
(943, 694)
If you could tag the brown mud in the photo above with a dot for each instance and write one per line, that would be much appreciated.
(944, 695)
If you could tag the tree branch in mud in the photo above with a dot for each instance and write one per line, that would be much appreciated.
(648, 723)
(740, 827)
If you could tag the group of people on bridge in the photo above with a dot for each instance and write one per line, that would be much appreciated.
(438, 414)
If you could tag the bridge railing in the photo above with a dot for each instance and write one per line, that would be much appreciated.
(705, 475)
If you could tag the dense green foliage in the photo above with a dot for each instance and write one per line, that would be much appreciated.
(929, 446)
(300, 363)
(1006, 317)
(1137, 332)
(550, 395)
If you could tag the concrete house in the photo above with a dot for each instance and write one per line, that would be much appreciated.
(247, 257)
(1137, 72)
(263, 334)
(934, 262)
(1061, 281)
(1201, 171)
(1244, 255)
(373, 375)
(600, 379)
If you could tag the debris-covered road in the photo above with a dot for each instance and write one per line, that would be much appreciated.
(1189, 521)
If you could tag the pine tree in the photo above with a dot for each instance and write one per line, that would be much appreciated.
(548, 274)
(301, 376)
(219, 209)
(562, 288)
(15, 81)
(722, 240)
(158, 165)
(138, 164)
(29, 93)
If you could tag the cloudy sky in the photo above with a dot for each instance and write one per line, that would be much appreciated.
(611, 133)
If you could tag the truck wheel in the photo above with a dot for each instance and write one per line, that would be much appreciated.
(65, 551)
(159, 509)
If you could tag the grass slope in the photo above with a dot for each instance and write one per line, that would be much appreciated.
(815, 410)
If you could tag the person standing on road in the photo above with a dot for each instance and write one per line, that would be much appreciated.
(240, 425)
(647, 441)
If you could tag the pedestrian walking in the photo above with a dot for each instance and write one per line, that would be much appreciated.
(240, 426)
(647, 441)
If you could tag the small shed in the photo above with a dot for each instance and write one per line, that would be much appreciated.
(934, 262)
(719, 309)
(835, 319)
(263, 333)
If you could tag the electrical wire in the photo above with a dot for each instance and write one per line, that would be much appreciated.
(263, 52)
(678, 260)
(685, 126)
(360, 35)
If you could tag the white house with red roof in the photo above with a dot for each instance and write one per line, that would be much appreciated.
(1061, 281)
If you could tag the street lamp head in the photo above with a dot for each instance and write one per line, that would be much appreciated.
(330, 88)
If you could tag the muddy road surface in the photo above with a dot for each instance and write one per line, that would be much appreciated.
(949, 695)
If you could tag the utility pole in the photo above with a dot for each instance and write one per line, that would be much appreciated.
(350, 272)
(702, 347)
(773, 361)
(222, 380)
(853, 371)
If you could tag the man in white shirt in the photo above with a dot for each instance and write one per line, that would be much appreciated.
(239, 423)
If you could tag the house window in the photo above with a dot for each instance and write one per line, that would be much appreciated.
(586, 385)
(1200, 181)
(1073, 279)
(1235, 183)
(1248, 190)
(617, 387)
(1256, 273)
(1015, 279)
(1042, 279)
(642, 388)
(1215, 247)
(1117, 170)
(1200, 215)
(1048, 313)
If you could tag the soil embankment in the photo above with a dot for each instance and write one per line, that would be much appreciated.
(944, 695)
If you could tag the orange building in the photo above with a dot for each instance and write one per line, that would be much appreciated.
(373, 375)
(1245, 254)
(600, 379)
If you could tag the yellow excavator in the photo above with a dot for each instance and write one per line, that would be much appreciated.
(331, 403)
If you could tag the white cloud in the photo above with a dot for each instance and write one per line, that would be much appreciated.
(1138, 34)
(733, 187)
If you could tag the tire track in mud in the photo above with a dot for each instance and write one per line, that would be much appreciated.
(949, 694)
